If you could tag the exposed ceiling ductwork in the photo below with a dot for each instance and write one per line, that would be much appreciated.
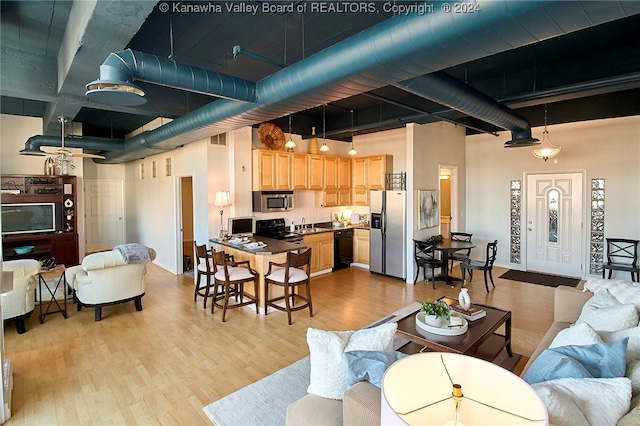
(34, 144)
(397, 50)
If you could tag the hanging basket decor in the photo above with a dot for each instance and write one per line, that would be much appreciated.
(271, 136)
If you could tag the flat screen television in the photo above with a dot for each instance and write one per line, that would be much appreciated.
(242, 225)
(28, 217)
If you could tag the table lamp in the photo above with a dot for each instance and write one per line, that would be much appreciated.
(438, 388)
(223, 199)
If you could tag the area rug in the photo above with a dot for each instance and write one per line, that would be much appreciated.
(265, 402)
(538, 278)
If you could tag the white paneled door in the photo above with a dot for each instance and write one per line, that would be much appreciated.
(554, 214)
(104, 221)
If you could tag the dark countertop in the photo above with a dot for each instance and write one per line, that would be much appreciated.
(272, 246)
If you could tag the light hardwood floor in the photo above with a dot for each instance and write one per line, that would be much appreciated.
(164, 364)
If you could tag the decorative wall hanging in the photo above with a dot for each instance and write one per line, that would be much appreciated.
(428, 209)
(271, 136)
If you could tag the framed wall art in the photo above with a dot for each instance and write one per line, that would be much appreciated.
(428, 208)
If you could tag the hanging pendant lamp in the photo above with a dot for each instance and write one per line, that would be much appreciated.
(352, 151)
(324, 147)
(546, 149)
(290, 143)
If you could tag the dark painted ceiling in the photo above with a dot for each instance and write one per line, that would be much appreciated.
(52, 49)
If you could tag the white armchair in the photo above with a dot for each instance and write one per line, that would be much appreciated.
(17, 305)
(105, 279)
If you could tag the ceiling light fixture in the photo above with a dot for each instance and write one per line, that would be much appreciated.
(324, 147)
(546, 149)
(352, 151)
(290, 143)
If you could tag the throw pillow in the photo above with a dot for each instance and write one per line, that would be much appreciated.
(579, 334)
(624, 291)
(327, 372)
(368, 365)
(574, 402)
(604, 312)
(633, 373)
(633, 333)
(602, 360)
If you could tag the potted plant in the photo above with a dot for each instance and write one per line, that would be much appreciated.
(434, 312)
(69, 214)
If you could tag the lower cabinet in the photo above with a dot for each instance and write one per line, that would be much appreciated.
(321, 246)
(361, 246)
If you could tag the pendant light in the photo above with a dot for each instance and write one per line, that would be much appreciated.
(290, 143)
(546, 149)
(352, 151)
(324, 147)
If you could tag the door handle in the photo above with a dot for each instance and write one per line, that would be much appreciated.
(530, 229)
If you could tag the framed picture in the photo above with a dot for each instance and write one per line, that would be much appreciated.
(428, 208)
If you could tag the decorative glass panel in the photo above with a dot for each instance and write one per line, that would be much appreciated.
(596, 245)
(553, 199)
(515, 198)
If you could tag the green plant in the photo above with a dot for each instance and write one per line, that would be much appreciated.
(69, 212)
(437, 308)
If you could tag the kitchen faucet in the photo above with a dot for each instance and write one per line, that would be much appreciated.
(303, 225)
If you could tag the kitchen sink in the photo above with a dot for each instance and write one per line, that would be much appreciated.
(310, 230)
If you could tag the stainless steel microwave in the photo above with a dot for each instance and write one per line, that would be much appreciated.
(272, 201)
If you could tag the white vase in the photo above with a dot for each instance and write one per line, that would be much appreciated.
(433, 320)
(464, 300)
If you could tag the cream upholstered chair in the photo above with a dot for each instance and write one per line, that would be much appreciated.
(18, 304)
(105, 278)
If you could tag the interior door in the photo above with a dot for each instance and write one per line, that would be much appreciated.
(554, 223)
(104, 224)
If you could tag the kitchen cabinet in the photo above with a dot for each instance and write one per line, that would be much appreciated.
(321, 245)
(337, 182)
(360, 173)
(331, 167)
(369, 173)
(271, 170)
(316, 172)
(344, 173)
(299, 171)
(379, 166)
(361, 246)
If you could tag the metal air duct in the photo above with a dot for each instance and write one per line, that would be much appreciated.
(34, 143)
(121, 69)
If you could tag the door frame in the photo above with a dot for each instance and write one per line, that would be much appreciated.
(178, 214)
(524, 235)
(455, 205)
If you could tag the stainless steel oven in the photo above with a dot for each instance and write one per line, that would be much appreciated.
(272, 201)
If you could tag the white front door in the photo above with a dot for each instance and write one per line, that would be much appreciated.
(554, 223)
(104, 221)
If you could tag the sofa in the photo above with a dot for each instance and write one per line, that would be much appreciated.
(18, 304)
(360, 404)
(111, 277)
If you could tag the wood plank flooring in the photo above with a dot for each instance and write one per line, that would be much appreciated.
(164, 364)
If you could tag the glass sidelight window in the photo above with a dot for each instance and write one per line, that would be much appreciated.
(553, 198)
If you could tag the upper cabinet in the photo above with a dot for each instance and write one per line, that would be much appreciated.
(379, 166)
(369, 173)
(271, 170)
(316, 172)
(299, 171)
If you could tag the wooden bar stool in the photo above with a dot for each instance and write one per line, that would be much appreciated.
(231, 277)
(294, 273)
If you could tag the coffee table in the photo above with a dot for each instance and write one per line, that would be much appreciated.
(481, 339)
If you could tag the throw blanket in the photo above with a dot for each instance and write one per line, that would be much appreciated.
(134, 253)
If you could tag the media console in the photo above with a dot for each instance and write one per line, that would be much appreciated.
(60, 240)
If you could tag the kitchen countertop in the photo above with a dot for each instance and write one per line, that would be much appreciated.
(272, 246)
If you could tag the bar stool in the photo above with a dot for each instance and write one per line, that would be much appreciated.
(231, 277)
(204, 268)
(295, 272)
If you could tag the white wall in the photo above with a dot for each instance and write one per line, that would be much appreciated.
(608, 149)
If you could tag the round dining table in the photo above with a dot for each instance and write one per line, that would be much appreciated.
(446, 247)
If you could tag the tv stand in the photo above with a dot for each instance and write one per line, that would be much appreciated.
(61, 190)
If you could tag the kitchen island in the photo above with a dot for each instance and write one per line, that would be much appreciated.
(259, 258)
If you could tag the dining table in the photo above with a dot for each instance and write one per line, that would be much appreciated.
(446, 247)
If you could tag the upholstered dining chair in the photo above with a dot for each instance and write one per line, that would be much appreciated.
(294, 273)
(462, 255)
(485, 265)
(204, 268)
(229, 278)
(424, 255)
(622, 255)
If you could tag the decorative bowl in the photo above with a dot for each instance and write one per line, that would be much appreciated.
(23, 249)
(446, 329)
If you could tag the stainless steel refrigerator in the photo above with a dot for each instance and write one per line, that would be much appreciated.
(388, 233)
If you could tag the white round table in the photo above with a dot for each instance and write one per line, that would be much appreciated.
(418, 390)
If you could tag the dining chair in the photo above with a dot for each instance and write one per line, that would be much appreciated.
(462, 255)
(231, 277)
(424, 255)
(204, 268)
(295, 272)
(622, 255)
(485, 265)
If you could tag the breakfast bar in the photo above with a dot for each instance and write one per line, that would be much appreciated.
(258, 256)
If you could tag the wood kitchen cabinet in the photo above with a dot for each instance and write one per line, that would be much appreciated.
(321, 245)
(379, 166)
(369, 173)
(360, 171)
(299, 171)
(361, 246)
(331, 167)
(316, 172)
(271, 170)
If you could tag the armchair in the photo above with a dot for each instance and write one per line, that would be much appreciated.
(18, 304)
(105, 279)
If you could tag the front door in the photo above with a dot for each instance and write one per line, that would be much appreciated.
(104, 226)
(554, 223)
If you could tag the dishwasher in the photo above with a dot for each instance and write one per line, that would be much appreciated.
(342, 248)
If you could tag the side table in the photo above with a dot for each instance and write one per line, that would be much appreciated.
(54, 273)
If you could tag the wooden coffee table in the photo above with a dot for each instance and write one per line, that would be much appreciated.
(481, 339)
